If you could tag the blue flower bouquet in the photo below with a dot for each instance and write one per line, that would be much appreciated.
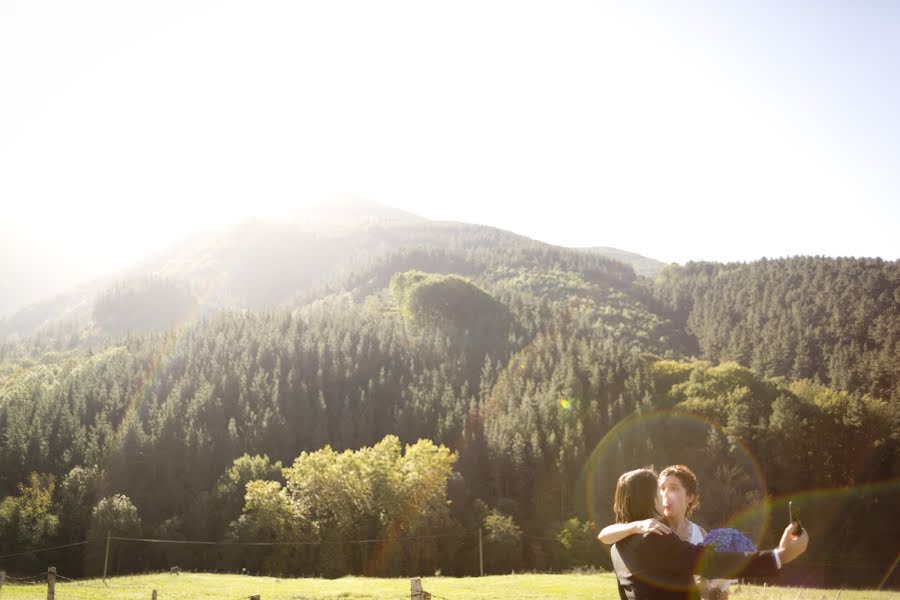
(727, 540)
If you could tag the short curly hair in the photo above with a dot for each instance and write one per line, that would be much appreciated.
(690, 483)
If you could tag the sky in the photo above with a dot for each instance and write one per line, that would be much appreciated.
(681, 131)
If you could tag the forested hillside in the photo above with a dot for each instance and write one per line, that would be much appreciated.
(260, 265)
(457, 378)
(836, 321)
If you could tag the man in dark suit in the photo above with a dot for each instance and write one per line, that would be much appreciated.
(661, 567)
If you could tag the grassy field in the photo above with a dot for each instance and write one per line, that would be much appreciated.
(206, 586)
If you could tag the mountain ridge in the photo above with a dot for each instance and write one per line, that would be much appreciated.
(263, 262)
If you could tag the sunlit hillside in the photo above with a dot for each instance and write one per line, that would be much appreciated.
(256, 264)
(366, 399)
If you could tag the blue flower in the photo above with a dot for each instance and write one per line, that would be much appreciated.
(729, 540)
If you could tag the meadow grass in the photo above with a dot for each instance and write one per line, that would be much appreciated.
(210, 586)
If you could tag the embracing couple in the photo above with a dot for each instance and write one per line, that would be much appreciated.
(656, 549)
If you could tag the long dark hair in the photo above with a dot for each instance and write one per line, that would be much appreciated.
(636, 496)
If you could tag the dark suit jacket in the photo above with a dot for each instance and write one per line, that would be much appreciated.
(661, 567)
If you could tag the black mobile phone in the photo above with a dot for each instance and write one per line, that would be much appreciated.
(794, 517)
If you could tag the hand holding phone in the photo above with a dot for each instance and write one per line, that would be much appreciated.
(794, 518)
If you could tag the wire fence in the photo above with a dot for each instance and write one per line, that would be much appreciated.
(845, 564)
(35, 551)
(296, 543)
(120, 584)
(60, 587)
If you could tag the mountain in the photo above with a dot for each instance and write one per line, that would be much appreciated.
(255, 263)
(539, 373)
(263, 263)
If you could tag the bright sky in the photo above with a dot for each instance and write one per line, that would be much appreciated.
(679, 130)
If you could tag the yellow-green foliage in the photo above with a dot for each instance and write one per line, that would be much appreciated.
(27, 516)
(765, 413)
(717, 391)
(375, 492)
(28, 378)
(601, 305)
(552, 284)
(399, 490)
(667, 374)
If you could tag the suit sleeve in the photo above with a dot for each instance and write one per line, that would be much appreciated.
(673, 555)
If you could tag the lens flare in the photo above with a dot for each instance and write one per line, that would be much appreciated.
(735, 494)
(826, 514)
(730, 477)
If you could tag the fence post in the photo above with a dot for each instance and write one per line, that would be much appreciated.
(890, 572)
(415, 590)
(51, 583)
(106, 558)
(153, 597)
(480, 555)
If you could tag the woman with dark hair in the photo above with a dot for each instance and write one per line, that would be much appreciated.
(679, 492)
(656, 566)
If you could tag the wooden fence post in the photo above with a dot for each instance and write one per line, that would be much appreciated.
(106, 557)
(890, 572)
(415, 590)
(480, 555)
(153, 597)
(51, 583)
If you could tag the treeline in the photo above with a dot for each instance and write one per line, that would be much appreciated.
(522, 387)
(836, 321)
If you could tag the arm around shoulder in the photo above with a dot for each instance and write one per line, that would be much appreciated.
(619, 531)
(615, 532)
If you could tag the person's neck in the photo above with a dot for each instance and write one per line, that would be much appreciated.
(676, 523)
